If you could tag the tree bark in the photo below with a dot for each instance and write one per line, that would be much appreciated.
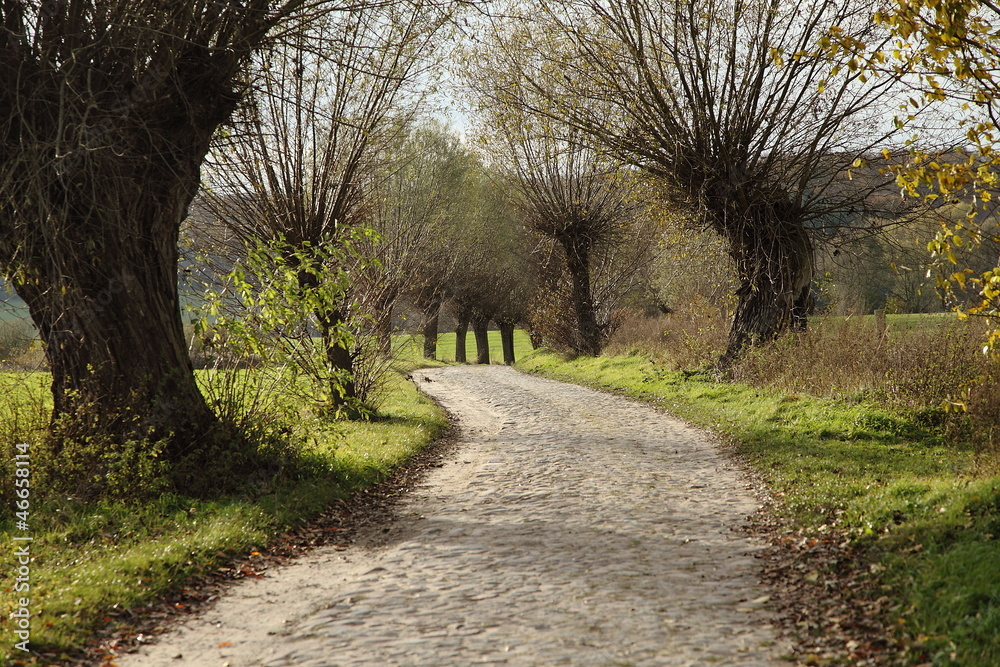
(461, 329)
(578, 263)
(110, 320)
(432, 313)
(507, 342)
(340, 359)
(480, 327)
(775, 262)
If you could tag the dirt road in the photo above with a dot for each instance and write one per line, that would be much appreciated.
(570, 528)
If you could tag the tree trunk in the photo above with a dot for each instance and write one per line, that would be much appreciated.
(107, 309)
(337, 342)
(578, 263)
(480, 327)
(461, 329)
(774, 260)
(507, 342)
(97, 170)
(535, 338)
(340, 360)
(432, 312)
(118, 357)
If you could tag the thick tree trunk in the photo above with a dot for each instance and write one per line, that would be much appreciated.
(507, 342)
(461, 331)
(97, 170)
(432, 313)
(774, 260)
(480, 327)
(118, 357)
(107, 310)
(578, 263)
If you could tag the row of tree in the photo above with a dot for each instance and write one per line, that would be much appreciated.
(763, 120)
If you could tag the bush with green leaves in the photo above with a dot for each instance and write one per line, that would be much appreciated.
(289, 308)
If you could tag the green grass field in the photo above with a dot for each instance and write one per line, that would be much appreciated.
(898, 323)
(410, 347)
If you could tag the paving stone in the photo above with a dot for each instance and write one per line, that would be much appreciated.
(571, 528)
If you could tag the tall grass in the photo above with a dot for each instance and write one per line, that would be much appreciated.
(918, 367)
(932, 366)
(688, 338)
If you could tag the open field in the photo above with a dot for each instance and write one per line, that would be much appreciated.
(411, 347)
(895, 323)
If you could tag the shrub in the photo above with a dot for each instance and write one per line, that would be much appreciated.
(24, 416)
(287, 306)
(931, 366)
(691, 337)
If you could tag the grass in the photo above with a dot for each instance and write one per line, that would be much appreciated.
(411, 347)
(895, 322)
(88, 559)
(924, 509)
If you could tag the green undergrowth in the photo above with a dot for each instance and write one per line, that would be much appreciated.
(88, 559)
(925, 510)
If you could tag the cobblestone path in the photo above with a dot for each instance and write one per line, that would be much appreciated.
(570, 528)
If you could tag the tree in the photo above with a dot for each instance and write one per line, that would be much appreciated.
(444, 233)
(305, 161)
(416, 213)
(733, 105)
(109, 110)
(493, 277)
(565, 190)
(951, 51)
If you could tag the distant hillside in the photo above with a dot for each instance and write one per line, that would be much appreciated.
(11, 305)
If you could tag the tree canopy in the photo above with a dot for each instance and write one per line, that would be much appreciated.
(737, 107)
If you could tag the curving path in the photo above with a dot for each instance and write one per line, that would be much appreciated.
(571, 528)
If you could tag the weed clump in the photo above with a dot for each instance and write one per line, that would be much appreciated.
(691, 337)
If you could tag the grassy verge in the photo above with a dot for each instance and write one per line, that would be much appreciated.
(88, 559)
(925, 514)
